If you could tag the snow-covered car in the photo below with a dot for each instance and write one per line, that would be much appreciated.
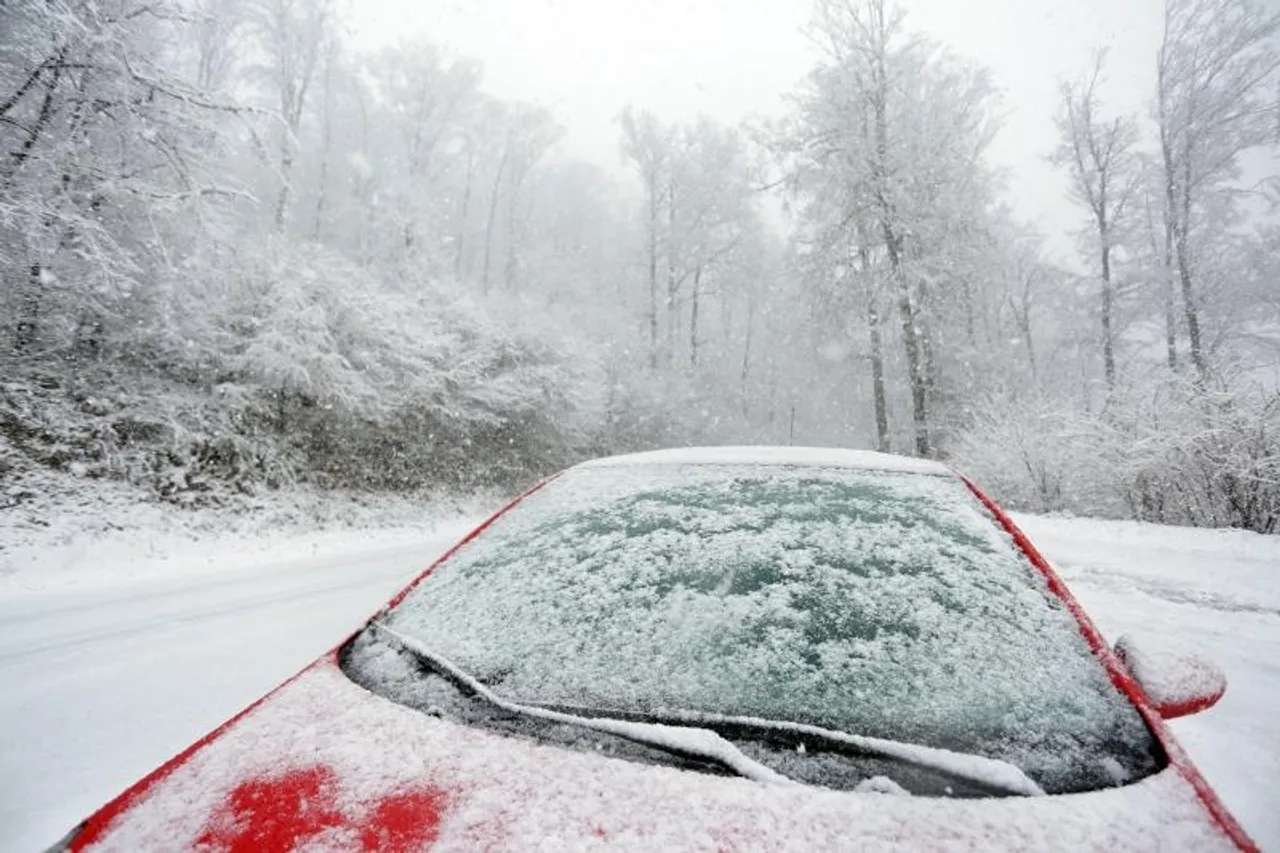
(711, 649)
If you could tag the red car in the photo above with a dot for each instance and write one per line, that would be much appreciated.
(712, 649)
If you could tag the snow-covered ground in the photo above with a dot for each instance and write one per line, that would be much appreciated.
(129, 628)
(117, 651)
(1216, 589)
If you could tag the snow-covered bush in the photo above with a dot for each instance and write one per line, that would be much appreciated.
(1034, 453)
(1174, 454)
(1206, 457)
(390, 384)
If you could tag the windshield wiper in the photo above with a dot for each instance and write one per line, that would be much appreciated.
(991, 773)
(699, 734)
(682, 740)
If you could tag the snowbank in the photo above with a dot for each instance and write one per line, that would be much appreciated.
(58, 532)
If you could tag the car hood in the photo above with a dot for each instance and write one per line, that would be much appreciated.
(322, 764)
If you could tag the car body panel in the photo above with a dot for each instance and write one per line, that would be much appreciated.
(1121, 677)
(294, 771)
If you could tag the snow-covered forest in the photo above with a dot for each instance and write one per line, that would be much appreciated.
(238, 250)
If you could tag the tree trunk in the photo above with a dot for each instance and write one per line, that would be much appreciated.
(1024, 326)
(746, 354)
(326, 144)
(493, 215)
(1166, 284)
(673, 285)
(29, 322)
(1178, 210)
(513, 260)
(877, 378)
(1191, 312)
(282, 200)
(693, 318)
(928, 363)
(461, 241)
(878, 395)
(969, 322)
(1170, 315)
(653, 270)
(1108, 303)
(911, 341)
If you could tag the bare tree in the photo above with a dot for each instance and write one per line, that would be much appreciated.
(293, 35)
(1099, 153)
(1217, 73)
(214, 34)
(532, 135)
(522, 136)
(871, 296)
(98, 128)
(645, 141)
(888, 149)
(1025, 278)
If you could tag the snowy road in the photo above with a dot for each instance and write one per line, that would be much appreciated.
(100, 684)
(98, 687)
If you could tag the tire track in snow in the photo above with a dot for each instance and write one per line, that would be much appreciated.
(1110, 580)
(127, 628)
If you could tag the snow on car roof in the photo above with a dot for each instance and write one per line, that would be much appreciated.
(829, 457)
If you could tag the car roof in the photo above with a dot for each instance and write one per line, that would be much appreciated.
(825, 457)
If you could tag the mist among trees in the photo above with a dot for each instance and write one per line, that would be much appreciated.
(236, 252)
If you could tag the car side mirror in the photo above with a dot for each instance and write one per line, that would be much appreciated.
(1177, 680)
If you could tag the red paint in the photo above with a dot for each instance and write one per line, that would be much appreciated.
(1121, 678)
(404, 822)
(1171, 709)
(96, 825)
(274, 815)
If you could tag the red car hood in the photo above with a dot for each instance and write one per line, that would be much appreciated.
(322, 764)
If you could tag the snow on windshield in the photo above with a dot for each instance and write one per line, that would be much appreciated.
(878, 603)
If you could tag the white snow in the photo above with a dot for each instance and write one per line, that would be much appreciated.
(999, 774)
(504, 793)
(693, 741)
(827, 457)
(1218, 590)
(1171, 673)
(877, 603)
(57, 536)
(880, 785)
(120, 646)
(87, 715)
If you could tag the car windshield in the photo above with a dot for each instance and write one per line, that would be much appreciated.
(880, 603)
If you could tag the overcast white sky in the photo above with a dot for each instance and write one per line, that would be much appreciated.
(586, 59)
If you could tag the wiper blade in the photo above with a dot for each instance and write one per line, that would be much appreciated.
(682, 739)
(987, 772)
(697, 734)
(992, 772)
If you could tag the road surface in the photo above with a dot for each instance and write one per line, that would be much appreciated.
(98, 687)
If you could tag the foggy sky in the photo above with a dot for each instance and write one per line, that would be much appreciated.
(585, 59)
